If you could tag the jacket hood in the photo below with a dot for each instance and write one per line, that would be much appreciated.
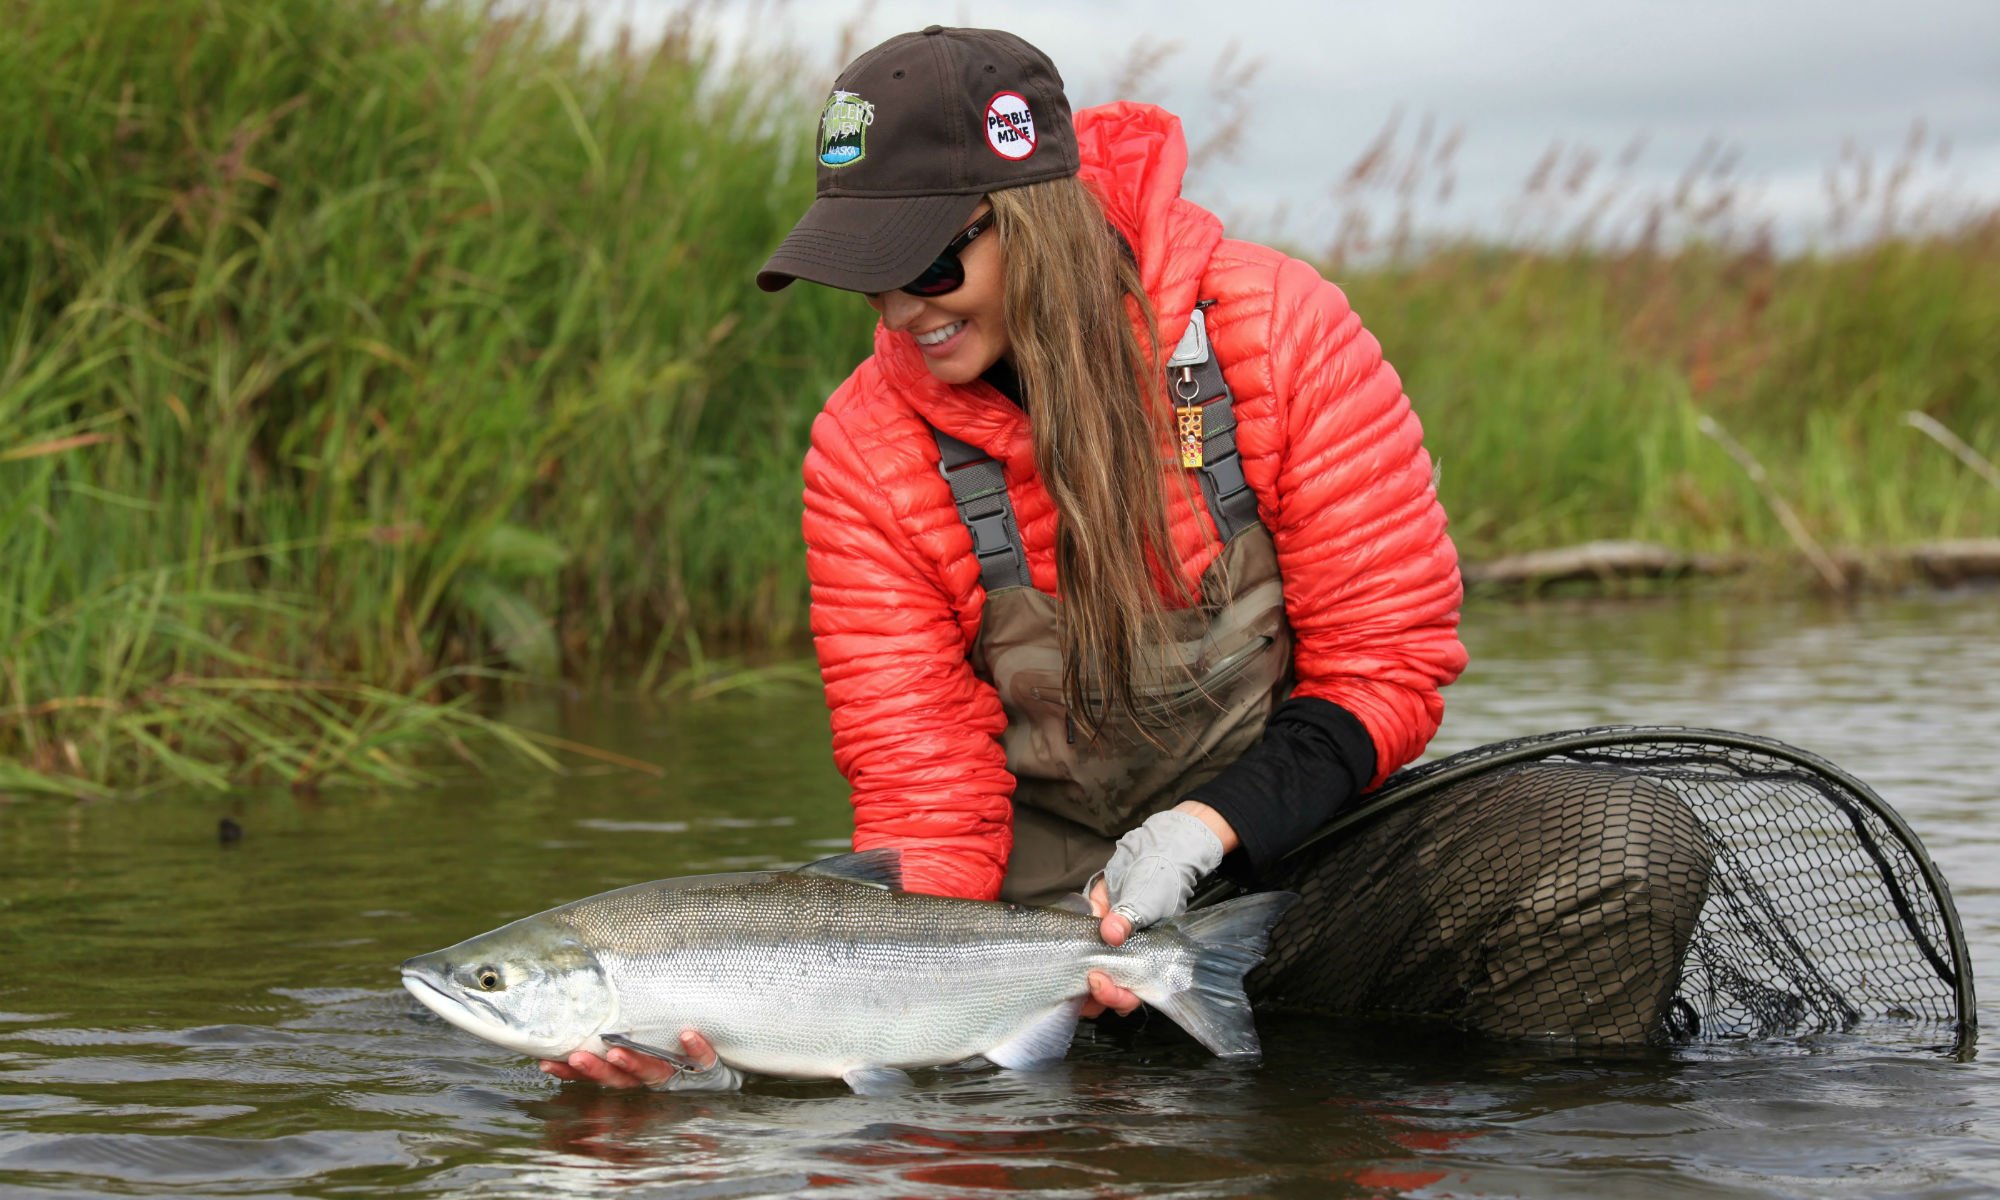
(1134, 157)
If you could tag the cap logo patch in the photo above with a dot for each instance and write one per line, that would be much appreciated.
(1010, 127)
(843, 129)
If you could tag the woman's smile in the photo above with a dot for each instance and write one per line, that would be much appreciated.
(940, 344)
(962, 332)
(936, 338)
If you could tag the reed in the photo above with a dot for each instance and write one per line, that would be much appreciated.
(353, 343)
(1565, 391)
(1564, 375)
(357, 356)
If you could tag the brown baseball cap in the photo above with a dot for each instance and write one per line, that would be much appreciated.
(916, 131)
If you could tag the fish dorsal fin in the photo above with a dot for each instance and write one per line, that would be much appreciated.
(1074, 902)
(877, 868)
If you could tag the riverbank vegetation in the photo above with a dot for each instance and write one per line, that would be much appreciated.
(360, 351)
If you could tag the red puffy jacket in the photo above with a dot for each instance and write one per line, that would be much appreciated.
(1329, 445)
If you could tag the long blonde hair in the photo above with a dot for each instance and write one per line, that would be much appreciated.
(1095, 397)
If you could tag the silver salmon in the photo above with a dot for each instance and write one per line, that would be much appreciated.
(831, 971)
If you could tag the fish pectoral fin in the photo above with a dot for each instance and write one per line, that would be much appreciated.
(876, 1081)
(1042, 1044)
(689, 1075)
(680, 1058)
(1075, 902)
(877, 868)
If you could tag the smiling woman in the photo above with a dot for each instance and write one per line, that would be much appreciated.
(1128, 564)
(955, 311)
(1028, 364)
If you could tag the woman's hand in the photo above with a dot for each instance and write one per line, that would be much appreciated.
(1104, 993)
(623, 1068)
(1154, 868)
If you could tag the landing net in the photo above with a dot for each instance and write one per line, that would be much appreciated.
(1745, 889)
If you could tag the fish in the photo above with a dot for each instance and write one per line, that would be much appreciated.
(831, 970)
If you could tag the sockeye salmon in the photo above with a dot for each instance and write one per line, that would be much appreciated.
(831, 971)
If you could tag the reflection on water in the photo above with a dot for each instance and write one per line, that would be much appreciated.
(179, 1016)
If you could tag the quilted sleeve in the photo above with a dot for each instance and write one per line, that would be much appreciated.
(915, 732)
(1372, 586)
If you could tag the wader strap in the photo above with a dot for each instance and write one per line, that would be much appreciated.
(979, 488)
(1194, 377)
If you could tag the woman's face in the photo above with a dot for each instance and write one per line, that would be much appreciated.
(963, 332)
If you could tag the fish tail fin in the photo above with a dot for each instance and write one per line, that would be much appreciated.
(1229, 939)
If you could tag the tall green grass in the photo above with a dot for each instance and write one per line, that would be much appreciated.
(1565, 377)
(374, 340)
(1563, 392)
(353, 352)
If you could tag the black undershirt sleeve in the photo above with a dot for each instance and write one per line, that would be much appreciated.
(1314, 759)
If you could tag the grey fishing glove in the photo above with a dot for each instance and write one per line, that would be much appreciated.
(1154, 868)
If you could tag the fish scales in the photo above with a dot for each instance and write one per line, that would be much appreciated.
(825, 971)
(848, 974)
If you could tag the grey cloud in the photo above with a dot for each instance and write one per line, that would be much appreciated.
(1784, 81)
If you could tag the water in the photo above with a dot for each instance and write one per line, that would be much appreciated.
(183, 1017)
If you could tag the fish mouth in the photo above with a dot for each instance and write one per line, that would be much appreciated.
(470, 1014)
(435, 998)
(413, 979)
(462, 1011)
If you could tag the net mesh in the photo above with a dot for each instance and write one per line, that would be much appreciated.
(1625, 885)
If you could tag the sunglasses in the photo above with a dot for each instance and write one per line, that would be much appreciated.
(946, 273)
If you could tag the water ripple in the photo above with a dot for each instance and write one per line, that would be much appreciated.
(197, 1159)
(251, 1039)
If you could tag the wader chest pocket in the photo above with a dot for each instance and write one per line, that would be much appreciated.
(1164, 698)
(1165, 702)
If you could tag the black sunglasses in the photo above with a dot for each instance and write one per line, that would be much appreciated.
(946, 273)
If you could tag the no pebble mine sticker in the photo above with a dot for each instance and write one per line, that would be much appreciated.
(1010, 127)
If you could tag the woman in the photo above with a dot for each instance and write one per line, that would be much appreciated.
(1001, 749)
(1074, 629)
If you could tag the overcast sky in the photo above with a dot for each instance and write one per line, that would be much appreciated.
(1782, 84)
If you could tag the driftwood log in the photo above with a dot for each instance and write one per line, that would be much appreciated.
(1605, 560)
(1963, 560)
(1946, 563)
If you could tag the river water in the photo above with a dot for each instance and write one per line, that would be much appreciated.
(184, 1017)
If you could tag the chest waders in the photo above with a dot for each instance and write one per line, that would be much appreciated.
(1204, 694)
(1596, 887)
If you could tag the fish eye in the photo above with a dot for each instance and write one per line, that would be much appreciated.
(489, 979)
